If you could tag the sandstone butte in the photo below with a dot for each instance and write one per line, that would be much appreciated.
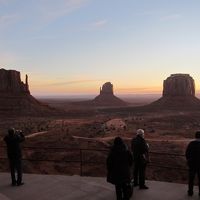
(15, 97)
(178, 92)
(107, 97)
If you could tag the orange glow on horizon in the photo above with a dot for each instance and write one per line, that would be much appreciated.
(92, 90)
(86, 86)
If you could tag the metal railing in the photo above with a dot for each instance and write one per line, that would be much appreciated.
(80, 151)
(154, 164)
(81, 158)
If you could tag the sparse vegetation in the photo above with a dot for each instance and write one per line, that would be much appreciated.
(167, 132)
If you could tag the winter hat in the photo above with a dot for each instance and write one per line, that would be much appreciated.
(140, 132)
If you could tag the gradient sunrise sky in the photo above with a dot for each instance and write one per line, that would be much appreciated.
(74, 46)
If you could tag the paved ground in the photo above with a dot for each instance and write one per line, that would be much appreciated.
(58, 187)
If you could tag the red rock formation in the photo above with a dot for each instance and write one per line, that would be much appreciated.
(107, 88)
(178, 93)
(107, 97)
(179, 85)
(15, 97)
(10, 82)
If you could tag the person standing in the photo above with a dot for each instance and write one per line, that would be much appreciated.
(140, 151)
(13, 140)
(119, 163)
(193, 160)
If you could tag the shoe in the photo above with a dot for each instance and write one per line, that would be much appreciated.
(144, 187)
(13, 184)
(190, 193)
(19, 184)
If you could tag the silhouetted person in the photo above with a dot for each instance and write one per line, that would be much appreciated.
(13, 140)
(140, 151)
(119, 163)
(193, 160)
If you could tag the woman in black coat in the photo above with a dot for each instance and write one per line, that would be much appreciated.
(119, 163)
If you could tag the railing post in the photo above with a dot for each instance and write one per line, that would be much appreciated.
(81, 163)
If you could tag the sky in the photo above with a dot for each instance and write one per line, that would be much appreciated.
(74, 46)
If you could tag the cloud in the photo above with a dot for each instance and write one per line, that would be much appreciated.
(171, 17)
(99, 23)
(8, 19)
(96, 25)
(147, 13)
(163, 16)
(39, 13)
(72, 82)
(52, 10)
(155, 89)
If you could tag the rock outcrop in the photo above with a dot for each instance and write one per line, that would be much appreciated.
(15, 97)
(178, 93)
(10, 82)
(107, 97)
(107, 88)
(179, 85)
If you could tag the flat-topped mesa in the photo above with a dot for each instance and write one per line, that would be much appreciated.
(178, 93)
(10, 82)
(179, 85)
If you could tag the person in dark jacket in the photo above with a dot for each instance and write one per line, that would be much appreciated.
(13, 140)
(193, 159)
(119, 163)
(140, 151)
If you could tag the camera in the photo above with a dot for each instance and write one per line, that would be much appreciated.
(19, 132)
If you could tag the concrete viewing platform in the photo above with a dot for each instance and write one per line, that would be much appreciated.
(60, 187)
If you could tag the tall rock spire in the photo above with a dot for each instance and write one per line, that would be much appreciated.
(26, 84)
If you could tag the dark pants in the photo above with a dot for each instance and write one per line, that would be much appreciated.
(122, 192)
(139, 173)
(192, 172)
(16, 166)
